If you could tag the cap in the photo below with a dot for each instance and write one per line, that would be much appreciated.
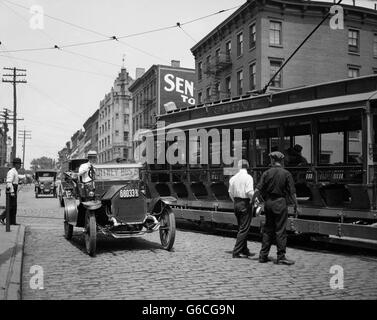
(276, 155)
(17, 160)
(297, 148)
(92, 153)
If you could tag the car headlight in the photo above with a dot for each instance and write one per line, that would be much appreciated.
(91, 193)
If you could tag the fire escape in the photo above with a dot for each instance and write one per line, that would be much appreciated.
(214, 69)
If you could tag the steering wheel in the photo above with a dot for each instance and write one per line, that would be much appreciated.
(91, 172)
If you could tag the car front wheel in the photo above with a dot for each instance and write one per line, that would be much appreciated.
(167, 229)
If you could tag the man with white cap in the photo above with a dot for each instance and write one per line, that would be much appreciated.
(87, 166)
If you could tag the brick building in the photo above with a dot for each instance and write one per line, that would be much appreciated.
(114, 121)
(91, 133)
(244, 51)
(159, 89)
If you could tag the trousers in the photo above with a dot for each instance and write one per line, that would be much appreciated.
(275, 227)
(242, 210)
(12, 207)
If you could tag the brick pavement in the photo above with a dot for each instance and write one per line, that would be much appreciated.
(200, 267)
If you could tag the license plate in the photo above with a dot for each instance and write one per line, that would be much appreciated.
(128, 193)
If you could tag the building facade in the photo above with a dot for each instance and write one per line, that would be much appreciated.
(160, 89)
(114, 121)
(245, 50)
(91, 133)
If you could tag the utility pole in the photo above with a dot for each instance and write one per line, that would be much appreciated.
(24, 134)
(5, 116)
(13, 78)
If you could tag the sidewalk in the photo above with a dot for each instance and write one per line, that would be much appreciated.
(11, 253)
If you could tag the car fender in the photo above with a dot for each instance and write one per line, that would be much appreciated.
(159, 204)
(92, 205)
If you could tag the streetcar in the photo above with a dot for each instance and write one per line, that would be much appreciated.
(115, 204)
(332, 126)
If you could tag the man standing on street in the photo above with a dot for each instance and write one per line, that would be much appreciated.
(241, 190)
(276, 186)
(12, 186)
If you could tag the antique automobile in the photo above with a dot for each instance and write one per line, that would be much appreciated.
(114, 203)
(45, 182)
(68, 184)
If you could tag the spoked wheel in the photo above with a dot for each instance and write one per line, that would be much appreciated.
(68, 230)
(90, 233)
(167, 229)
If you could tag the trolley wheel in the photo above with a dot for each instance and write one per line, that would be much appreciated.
(167, 229)
(90, 233)
(68, 230)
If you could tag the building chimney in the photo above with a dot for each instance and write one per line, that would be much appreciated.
(139, 72)
(175, 63)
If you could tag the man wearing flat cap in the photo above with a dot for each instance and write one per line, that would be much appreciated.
(12, 186)
(276, 186)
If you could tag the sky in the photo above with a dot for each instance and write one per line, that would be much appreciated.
(64, 87)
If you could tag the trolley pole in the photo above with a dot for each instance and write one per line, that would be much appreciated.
(7, 209)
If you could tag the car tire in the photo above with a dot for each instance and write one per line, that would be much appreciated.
(167, 229)
(68, 230)
(90, 233)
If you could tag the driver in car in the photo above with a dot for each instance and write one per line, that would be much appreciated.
(85, 167)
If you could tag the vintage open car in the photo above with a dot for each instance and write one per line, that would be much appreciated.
(115, 204)
(45, 182)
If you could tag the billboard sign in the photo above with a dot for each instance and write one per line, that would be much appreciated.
(176, 89)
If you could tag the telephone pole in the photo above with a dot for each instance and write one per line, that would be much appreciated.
(6, 118)
(24, 134)
(14, 79)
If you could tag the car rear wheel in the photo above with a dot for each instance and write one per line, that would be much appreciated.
(167, 229)
(90, 233)
(68, 230)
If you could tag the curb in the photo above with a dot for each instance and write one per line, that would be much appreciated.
(14, 279)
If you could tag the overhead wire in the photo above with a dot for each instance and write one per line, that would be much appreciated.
(114, 38)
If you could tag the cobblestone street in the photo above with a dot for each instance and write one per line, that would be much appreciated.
(200, 267)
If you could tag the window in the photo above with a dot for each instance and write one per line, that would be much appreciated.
(117, 116)
(217, 88)
(353, 40)
(125, 153)
(252, 72)
(228, 49)
(116, 133)
(217, 55)
(208, 62)
(239, 82)
(200, 98)
(200, 70)
(353, 72)
(228, 86)
(375, 45)
(126, 118)
(125, 136)
(275, 33)
(274, 67)
(208, 94)
(252, 36)
(239, 44)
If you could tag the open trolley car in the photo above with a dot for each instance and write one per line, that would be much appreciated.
(334, 123)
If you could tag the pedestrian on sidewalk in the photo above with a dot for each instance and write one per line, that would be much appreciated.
(12, 186)
(241, 190)
(276, 186)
